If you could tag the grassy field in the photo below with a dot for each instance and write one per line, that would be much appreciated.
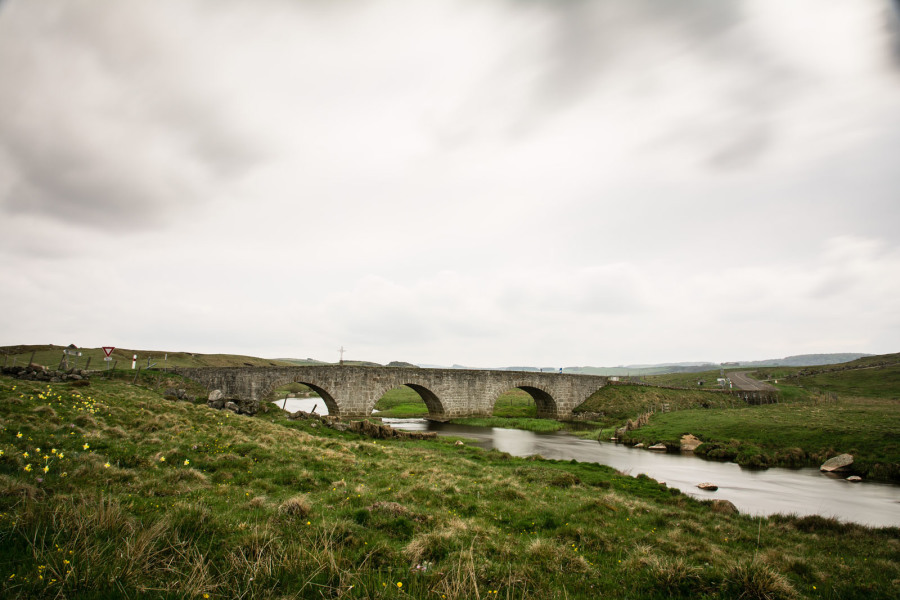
(870, 382)
(112, 491)
(848, 410)
(790, 434)
(403, 402)
(50, 356)
(619, 402)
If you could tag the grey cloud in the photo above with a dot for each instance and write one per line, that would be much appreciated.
(743, 149)
(97, 123)
(584, 49)
(892, 24)
(588, 36)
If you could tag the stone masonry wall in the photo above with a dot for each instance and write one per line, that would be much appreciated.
(352, 391)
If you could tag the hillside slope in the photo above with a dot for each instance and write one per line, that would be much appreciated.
(112, 491)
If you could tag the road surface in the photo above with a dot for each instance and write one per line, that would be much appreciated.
(741, 381)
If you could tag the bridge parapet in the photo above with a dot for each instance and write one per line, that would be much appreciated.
(352, 391)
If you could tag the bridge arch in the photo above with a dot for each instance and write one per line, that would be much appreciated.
(432, 401)
(327, 398)
(547, 406)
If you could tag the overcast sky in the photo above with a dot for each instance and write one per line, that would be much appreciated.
(481, 182)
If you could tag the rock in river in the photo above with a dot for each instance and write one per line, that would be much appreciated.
(689, 442)
(841, 462)
(710, 487)
(661, 447)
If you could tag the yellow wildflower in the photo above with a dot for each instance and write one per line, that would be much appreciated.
(46, 468)
(162, 459)
(186, 462)
(28, 467)
(106, 466)
(86, 446)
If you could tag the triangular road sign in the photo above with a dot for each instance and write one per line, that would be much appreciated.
(108, 350)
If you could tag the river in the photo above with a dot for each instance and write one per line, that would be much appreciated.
(755, 492)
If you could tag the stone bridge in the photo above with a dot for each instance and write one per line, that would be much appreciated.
(351, 391)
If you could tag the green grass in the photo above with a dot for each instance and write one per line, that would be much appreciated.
(50, 356)
(790, 434)
(871, 382)
(405, 402)
(145, 497)
(529, 424)
(619, 402)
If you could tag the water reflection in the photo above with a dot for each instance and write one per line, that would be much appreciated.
(772, 491)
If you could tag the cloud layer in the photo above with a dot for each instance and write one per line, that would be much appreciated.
(483, 183)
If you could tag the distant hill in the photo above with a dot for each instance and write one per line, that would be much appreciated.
(302, 362)
(51, 354)
(805, 360)
(802, 360)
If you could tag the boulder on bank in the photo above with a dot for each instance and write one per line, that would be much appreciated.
(658, 447)
(723, 507)
(841, 462)
(689, 442)
(216, 395)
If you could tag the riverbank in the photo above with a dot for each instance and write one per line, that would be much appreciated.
(789, 434)
(113, 491)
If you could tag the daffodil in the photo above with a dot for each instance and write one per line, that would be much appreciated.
(28, 467)
(162, 459)
(25, 454)
(46, 468)
(186, 462)
(86, 446)
(106, 466)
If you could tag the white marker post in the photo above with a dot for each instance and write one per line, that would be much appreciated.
(133, 362)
